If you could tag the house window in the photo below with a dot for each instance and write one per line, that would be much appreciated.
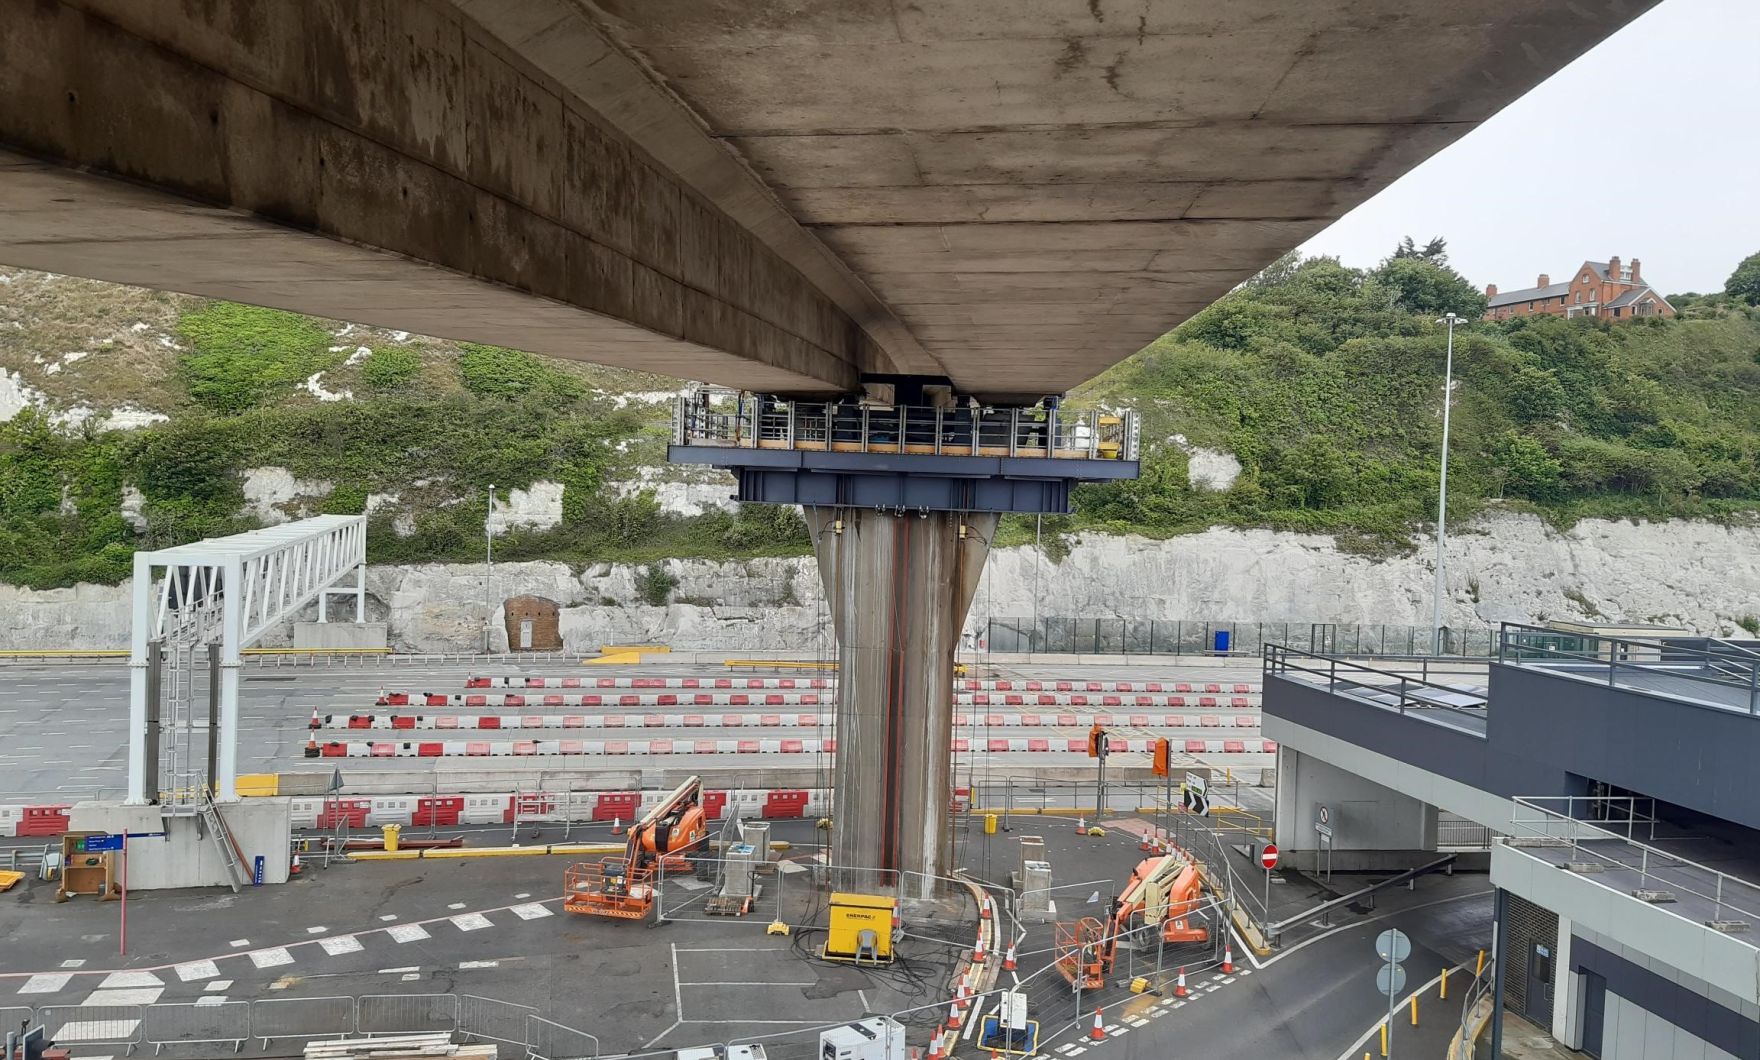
(1644, 308)
(1579, 298)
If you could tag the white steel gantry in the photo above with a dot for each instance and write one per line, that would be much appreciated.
(225, 593)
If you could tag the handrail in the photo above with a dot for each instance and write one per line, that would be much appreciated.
(1272, 931)
(1553, 826)
(1278, 662)
(1519, 645)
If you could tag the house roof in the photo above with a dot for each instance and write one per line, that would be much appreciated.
(1633, 295)
(1529, 294)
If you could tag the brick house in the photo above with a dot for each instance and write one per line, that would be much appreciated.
(1598, 288)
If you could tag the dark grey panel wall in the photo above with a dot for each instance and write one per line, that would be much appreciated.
(1698, 757)
(1694, 1013)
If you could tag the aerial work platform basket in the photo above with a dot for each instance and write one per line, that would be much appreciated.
(1079, 950)
(609, 888)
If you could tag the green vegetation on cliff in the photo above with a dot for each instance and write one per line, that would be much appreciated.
(1324, 383)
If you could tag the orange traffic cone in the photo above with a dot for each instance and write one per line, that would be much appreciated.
(935, 1046)
(296, 868)
(1081, 826)
(381, 701)
(1098, 1034)
(1179, 987)
(984, 910)
(311, 748)
(978, 950)
(1008, 961)
(316, 722)
(617, 826)
(953, 1017)
(1227, 958)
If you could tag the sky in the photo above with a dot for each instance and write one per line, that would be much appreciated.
(1532, 190)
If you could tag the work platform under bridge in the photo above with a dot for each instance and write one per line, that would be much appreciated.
(902, 501)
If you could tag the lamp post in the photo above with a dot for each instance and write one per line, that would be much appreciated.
(1442, 498)
(488, 573)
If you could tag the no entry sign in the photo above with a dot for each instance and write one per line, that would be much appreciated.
(1268, 856)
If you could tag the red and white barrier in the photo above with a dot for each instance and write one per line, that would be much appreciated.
(727, 721)
(782, 746)
(968, 685)
(402, 698)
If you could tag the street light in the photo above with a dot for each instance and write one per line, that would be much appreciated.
(1442, 499)
(488, 573)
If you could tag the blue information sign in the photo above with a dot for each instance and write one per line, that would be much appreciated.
(97, 843)
(257, 876)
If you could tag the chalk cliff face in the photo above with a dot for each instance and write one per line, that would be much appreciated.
(1703, 576)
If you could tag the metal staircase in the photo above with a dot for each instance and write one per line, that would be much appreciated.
(237, 875)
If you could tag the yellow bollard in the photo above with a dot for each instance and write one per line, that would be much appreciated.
(989, 824)
(1479, 969)
(1383, 1039)
(391, 833)
(1442, 990)
(1414, 1010)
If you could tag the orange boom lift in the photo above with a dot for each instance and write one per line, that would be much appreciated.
(1164, 890)
(623, 887)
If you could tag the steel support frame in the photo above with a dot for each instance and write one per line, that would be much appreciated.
(227, 593)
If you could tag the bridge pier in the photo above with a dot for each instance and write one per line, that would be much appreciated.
(899, 586)
(902, 501)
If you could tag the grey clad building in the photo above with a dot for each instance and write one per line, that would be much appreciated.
(1616, 773)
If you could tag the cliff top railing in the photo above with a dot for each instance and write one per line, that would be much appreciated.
(750, 421)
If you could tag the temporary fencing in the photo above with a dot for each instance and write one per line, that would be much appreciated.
(211, 1022)
(500, 1021)
(406, 1013)
(92, 1024)
(302, 1017)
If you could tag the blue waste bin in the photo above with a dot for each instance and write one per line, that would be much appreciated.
(1221, 642)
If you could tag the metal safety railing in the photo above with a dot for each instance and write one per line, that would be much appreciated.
(748, 421)
(1727, 676)
(1603, 851)
(207, 1022)
(1384, 685)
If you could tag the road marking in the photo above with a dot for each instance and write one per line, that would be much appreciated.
(407, 933)
(456, 905)
(140, 995)
(45, 983)
(125, 979)
(340, 945)
(96, 1030)
(197, 970)
(319, 930)
(523, 895)
(207, 1001)
(74, 963)
(464, 966)
(271, 958)
(472, 922)
(239, 943)
(411, 977)
(218, 985)
(388, 917)
(398, 971)
(1374, 1028)
(530, 911)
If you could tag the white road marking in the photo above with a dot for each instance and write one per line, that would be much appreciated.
(1374, 1028)
(319, 930)
(239, 943)
(411, 977)
(456, 905)
(125, 979)
(530, 911)
(197, 970)
(408, 933)
(397, 971)
(388, 917)
(470, 965)
(218, 985)
(271, 958)
(523, 895)
(139, 995)
(45, 983)
(472, 922)
(96, 1030)
(341, 944)
(216, 999)
(77, 962)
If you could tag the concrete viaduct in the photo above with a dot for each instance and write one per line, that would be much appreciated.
(978, 202)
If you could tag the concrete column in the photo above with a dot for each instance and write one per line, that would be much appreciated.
(141, 619)
(898, 586)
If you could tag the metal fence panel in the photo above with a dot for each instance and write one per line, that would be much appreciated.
(485, 1017)
(171, 1023)
(549, 1040)
(302, 1017)
(13, 1015)
(92, 1024)
(406, 1013)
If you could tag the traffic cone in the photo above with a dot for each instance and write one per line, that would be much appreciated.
(617, 826)
(1179, 987)
(1008, 961)
(1081, 826)
(984, 910)
(316, 723)
(935, 1046)
(1144, 843)
(311, 748)
(381, 701)
(953, 1017)
(1098, 1034)
(296, 868)
(1227, 958)
(978, 950)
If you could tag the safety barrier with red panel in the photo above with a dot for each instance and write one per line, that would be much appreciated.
(44, 820)
(714, 804)
(617, 805)
(353, 812)
(791, 803)
(441, 810)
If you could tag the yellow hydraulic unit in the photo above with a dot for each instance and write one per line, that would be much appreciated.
(861, 928)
